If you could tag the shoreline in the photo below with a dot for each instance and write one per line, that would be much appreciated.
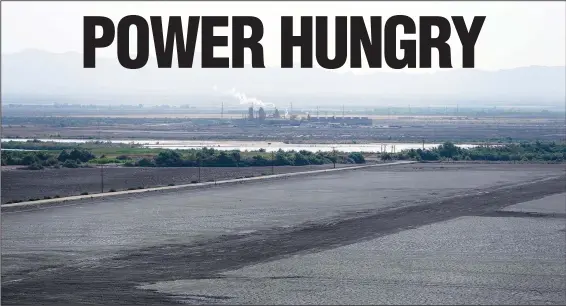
(253, 145)
(138, 140)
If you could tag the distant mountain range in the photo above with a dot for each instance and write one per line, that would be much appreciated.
(34, 73)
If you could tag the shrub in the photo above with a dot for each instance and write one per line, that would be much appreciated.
(259, 160)
(69, 163)
(84, 193)
(63, 156)
(358, 158)
(50, 161)
(145, 162)
(81, 155)
(77, 154)
(168, 158)
(301, 160)
(30, 160)
(112, 190)
(448, 150)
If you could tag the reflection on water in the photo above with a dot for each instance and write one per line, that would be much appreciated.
(256, 145)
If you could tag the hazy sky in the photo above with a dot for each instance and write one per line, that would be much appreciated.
(514, 34)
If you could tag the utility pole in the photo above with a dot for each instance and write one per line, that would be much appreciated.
(334, 160)
(98, 129)
(222, 111)
(101, 178)
(199, 162)
(423, 143)
(272, 160)
(101, 164)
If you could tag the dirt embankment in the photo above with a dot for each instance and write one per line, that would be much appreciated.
(23, 185)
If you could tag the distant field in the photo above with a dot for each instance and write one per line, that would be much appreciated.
(433, 128)
(27, 184)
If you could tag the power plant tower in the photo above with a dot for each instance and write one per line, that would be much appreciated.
(251, 113)
(261, 114)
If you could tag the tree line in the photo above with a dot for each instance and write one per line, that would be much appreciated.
(37, 160)
(549, 152)
(521, 152)
(206, 157)
(209, 157)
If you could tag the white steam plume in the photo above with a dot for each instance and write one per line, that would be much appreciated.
(244, 99)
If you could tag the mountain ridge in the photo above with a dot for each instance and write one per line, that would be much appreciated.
(39, 73)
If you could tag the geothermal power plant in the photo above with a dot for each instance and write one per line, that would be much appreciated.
(261, 117)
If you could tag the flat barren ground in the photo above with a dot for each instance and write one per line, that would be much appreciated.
(400, 129)
(420, 233)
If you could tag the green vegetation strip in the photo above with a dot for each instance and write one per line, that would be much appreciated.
(55, 155)
(82, 155)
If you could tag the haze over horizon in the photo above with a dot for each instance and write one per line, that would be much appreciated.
(517, 62)
(51, 75)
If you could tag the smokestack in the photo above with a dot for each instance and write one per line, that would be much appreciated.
(251, 113)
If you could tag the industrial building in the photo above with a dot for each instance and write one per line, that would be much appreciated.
(260, 117)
